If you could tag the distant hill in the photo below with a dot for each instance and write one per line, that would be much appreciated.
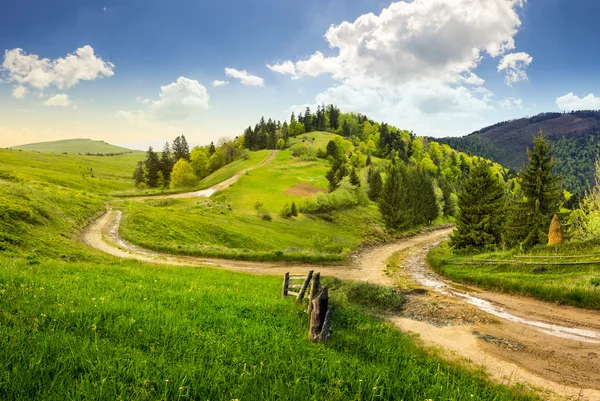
(575, 135)
(75, 147)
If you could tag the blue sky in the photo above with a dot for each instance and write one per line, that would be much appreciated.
(142, 72)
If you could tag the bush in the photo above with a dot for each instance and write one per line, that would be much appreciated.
(345, 197)
(286, 212)
(321, 153)
(304, 152)
(183, 175)
(261, 212)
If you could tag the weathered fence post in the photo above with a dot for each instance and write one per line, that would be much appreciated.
(304, 286)
(286, 283)
(326, 330)
(317, 316)
(314, 288)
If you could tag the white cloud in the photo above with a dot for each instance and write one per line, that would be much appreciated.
(178, 101)
(216, 83)
(40, 73)
(61, 100)
(415, 62)
(19, 91)
(515, 65)
(510, 103)
(570, 102)
(142, 100)
(245, 77)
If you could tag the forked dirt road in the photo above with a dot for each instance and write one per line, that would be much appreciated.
(553, 349)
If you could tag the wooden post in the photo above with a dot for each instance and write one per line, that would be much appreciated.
(304, 286)
(286, 283)
(317, 316)
(326, 330)
(314, 288)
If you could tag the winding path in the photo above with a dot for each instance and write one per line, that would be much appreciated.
(531, 342)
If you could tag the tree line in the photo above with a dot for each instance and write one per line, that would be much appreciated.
(178, 167)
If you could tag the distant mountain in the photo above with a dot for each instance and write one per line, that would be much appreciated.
(75, 146)
(575, 135)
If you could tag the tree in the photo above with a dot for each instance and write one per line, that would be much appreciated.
(375, 185)
(354, 178)
(138, 174)
(183, 175)
(280, 143)
(166, 163)
(332, 150)
(181, 149)
(294, 209)
(541, 189)
(481, 201)
(393, 199)
(152, 168)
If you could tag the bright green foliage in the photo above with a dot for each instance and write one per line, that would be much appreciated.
(481, 201)
(541, 191)
(586, 219)
(183, 175)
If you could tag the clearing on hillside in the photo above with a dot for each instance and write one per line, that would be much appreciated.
(303, 190)
(74, 146)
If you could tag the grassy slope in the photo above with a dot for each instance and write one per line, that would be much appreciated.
(76, 324)
(73, 146)
(227, 225)
(577, 285)
(125, 330)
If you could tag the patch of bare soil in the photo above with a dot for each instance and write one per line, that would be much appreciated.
(303, 190)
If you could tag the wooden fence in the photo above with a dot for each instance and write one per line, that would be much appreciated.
(318, 302)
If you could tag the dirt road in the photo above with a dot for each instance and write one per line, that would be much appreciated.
(524, 341)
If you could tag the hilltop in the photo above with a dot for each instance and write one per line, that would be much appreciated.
(575, 137)
(74, 146)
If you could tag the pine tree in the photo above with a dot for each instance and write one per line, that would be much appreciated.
(541, 194)
(166, 163)
(211, 149)
(354, 178)
(152, 168)
(332, 177)
(294, 209)
(369, 161)
(393, 199)
(181, 149)
(332, 149)
(138, 174)
(375, 185)
(481, 201)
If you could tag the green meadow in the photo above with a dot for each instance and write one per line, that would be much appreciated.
(545, 279)
(73, 146)
(78, 324)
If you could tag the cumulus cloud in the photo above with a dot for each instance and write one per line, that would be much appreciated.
(510, 103)
(178, 101)
(418, 58)
(515, 65)
(217, 83)
(20, 91)
(65, 72)
(61, 100)
(570, 102)
(245, 77)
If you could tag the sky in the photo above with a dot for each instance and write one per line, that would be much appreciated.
(141, 72)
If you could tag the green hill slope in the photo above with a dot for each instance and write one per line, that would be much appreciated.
(576, 137)
(74, 146)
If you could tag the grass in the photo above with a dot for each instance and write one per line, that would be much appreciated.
(227, 225)
(126, 330)
(77, 324)
(565, 284)
(73, 146)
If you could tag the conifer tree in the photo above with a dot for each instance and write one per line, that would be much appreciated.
(294, 209)
(481, 201)
(152, 167)
(181, 149)
(541, 188)
(138, 174)
(166, 163)
(375, 185)
(332, 178)
(369, 161)
(354, 178)
(393, 198)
